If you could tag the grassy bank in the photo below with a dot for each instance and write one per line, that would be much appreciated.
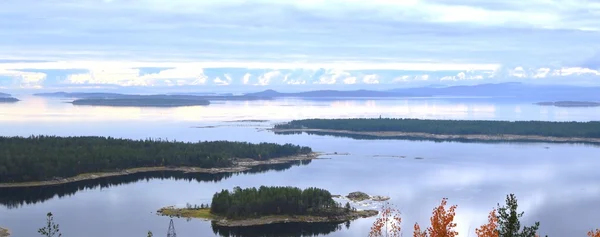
(204, 213)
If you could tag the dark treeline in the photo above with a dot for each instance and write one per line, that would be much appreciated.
(252, 202)
(280, 230)
(16, 197)
(460, 127)
(38, 158)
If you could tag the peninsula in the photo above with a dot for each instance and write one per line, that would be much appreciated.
(476, 130)
(270, 205)
(570, 104)
(47, 160)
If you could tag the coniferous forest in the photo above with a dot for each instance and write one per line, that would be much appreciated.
(38, 158)
(252, 202)
(452, 127)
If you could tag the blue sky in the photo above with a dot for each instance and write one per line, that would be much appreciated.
(46, 44)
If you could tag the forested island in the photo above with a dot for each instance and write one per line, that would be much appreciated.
(142, 102)
(570, 104)
(8, 99)
(268, 205)
(25, 161)
(450, 129)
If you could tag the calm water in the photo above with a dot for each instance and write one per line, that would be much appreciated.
(552, 181)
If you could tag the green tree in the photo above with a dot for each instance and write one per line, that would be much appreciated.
(509, 224)
(51, 229)
(150, 234)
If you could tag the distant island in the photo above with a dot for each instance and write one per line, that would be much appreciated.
(332, 94)
(570, 104)
(50, 160)
(270, 205)
(142, 102)
(196, 96)
(8, 100)
(157, 100)
(477, 130)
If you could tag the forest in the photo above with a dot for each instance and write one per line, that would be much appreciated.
(37, 158)
(252, 202)
(452, 127)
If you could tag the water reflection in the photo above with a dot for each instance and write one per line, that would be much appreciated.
(33, 108)
(17, 197)
(408, 138)
(280, 229)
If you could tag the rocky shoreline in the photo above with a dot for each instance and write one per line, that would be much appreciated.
(4, 232)
(240, 165)
(360, 196)
(264, 220)
(400, 135)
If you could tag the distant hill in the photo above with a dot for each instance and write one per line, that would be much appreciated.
(570, 104)
(511, 90)
(331, 94)
(4, 95)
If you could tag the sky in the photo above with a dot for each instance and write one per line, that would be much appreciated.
(261, 44)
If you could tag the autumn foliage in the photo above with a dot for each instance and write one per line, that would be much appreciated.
(442, 221)
(593, 233)
(502, 222)
(387, 224)
(489, 229)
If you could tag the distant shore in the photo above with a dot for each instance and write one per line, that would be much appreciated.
(240, 165)
(204, 214)
(8, 100)
(401, 135)
(570, 104)
(4, 232)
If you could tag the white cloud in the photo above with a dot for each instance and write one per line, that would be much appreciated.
(350, 80)
(371, 79)
(246, 78)
(266, 78)
(132, 77)
(25, 79)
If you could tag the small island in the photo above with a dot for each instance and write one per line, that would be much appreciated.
(462, 130)
(8, 100)
(51, 160)
(142, 102)
(270, 205)
(570, 104)
(361, 196)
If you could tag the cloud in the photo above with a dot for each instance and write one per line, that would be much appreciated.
(185, 75)
(350, 80)
(246, 78)
(371, 79)
(266, 78)
(23, 79)
(331, 33)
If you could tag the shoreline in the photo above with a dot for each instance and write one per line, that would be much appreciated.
(240, 165)
(204, 214)
(4, 232)
(400, 135)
